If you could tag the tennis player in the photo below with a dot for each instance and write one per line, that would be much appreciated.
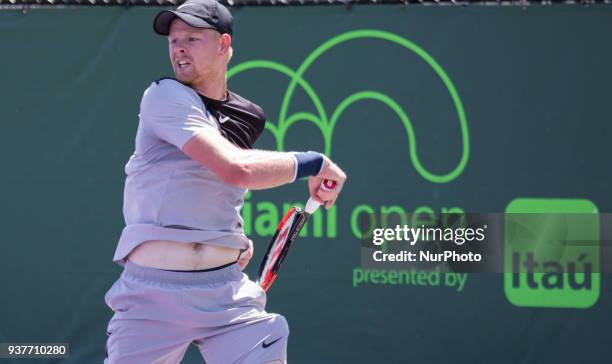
(183, 246)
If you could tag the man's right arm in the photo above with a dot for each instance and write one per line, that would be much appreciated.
(258, 169)
(246, 168)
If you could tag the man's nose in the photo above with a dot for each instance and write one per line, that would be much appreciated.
(178, 48)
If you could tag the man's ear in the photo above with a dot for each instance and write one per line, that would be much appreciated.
(226, 43)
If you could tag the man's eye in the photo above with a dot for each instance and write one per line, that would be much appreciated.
(192, 39)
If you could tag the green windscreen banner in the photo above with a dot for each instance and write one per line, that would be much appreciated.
(433, 112)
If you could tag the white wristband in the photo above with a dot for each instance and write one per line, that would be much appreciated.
(295, 166)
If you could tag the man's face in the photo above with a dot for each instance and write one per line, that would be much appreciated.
(195, 53)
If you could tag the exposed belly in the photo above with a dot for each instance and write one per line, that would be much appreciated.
(174, 255)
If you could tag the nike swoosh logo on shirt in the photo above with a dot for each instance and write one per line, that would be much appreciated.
(223, 119)
(265, 344)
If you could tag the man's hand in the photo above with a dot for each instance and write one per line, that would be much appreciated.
(329, 171)
(246, 256)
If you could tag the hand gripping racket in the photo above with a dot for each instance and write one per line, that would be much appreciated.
(287, 231)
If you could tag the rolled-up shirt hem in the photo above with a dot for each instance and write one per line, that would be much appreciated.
(134, 235)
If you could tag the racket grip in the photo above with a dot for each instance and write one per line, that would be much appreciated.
(312, 205)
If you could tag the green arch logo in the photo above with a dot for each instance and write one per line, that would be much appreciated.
(326, 124)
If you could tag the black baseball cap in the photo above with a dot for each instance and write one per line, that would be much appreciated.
(197, 13)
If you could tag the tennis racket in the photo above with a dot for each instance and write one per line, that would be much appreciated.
(286, 233)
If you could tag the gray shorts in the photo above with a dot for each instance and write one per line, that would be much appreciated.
(159, 313)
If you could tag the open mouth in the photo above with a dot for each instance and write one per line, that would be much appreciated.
(182, 64)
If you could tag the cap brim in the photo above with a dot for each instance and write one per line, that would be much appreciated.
(164, 18)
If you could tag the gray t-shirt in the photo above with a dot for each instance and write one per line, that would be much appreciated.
(167, 195)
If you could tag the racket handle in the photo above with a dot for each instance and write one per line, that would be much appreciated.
(312, 205)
